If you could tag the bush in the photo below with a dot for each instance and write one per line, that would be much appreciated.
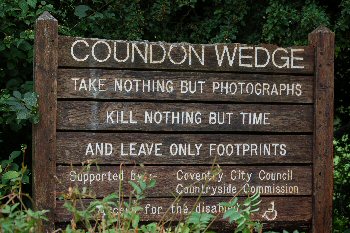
(98, 215)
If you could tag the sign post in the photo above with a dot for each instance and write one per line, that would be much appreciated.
(323, 41)
(263, 113)
(44, 133)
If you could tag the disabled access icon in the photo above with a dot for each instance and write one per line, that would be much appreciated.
(270, 214)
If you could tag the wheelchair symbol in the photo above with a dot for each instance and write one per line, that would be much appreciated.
(270, 214)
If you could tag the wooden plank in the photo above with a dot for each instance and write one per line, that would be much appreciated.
(323, 40)
(44, 133)
(191, 180)
(84, 115)
(288, 209)
(113, 148)
(96, 53)
(163, 85)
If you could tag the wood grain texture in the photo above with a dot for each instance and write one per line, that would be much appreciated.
(101, 55)
(226, 227)
(190, 180)
(289, 209)
(84, 115)
(142, 85)
(44, 133)
(113, 148)
(323, 40)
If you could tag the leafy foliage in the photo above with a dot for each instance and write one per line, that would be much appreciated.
(16, 40)
(17, 109)
(342, 183)
(241, 214)
(14, 215)
(11, 177)
(100, 215)
(287, 23)
(199, 222)
(21, 221)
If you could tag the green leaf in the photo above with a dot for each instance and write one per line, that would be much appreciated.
(241, 225)
(137, 208)
(152, 183)
(10, 175)
(232, 203)
(235, 216)
(23, 114)
(197, 218)
(143, 184)
(25, 179)
(256, 203)
(135, 187)
(255, 196)
(81, 10)
(25, 45)
(24, 6)
(247, 202)
(36, 119)
(14, 155)
(17, 94)
(135, 221)
(32, 3)
(6, 209)
(111, 197)
(232, 214)
(30, 99)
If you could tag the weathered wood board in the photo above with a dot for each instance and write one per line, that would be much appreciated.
(96, 53)
(209, 120)
(296, 209)
(147, 148)
(195, 86)
(140, 116)
(191, 180)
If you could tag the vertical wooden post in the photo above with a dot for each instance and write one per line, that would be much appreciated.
(323, 40)
(44, 133)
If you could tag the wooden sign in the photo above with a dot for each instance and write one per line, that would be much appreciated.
(263, 113)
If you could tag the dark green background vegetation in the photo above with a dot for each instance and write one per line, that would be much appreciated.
(279, 22)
